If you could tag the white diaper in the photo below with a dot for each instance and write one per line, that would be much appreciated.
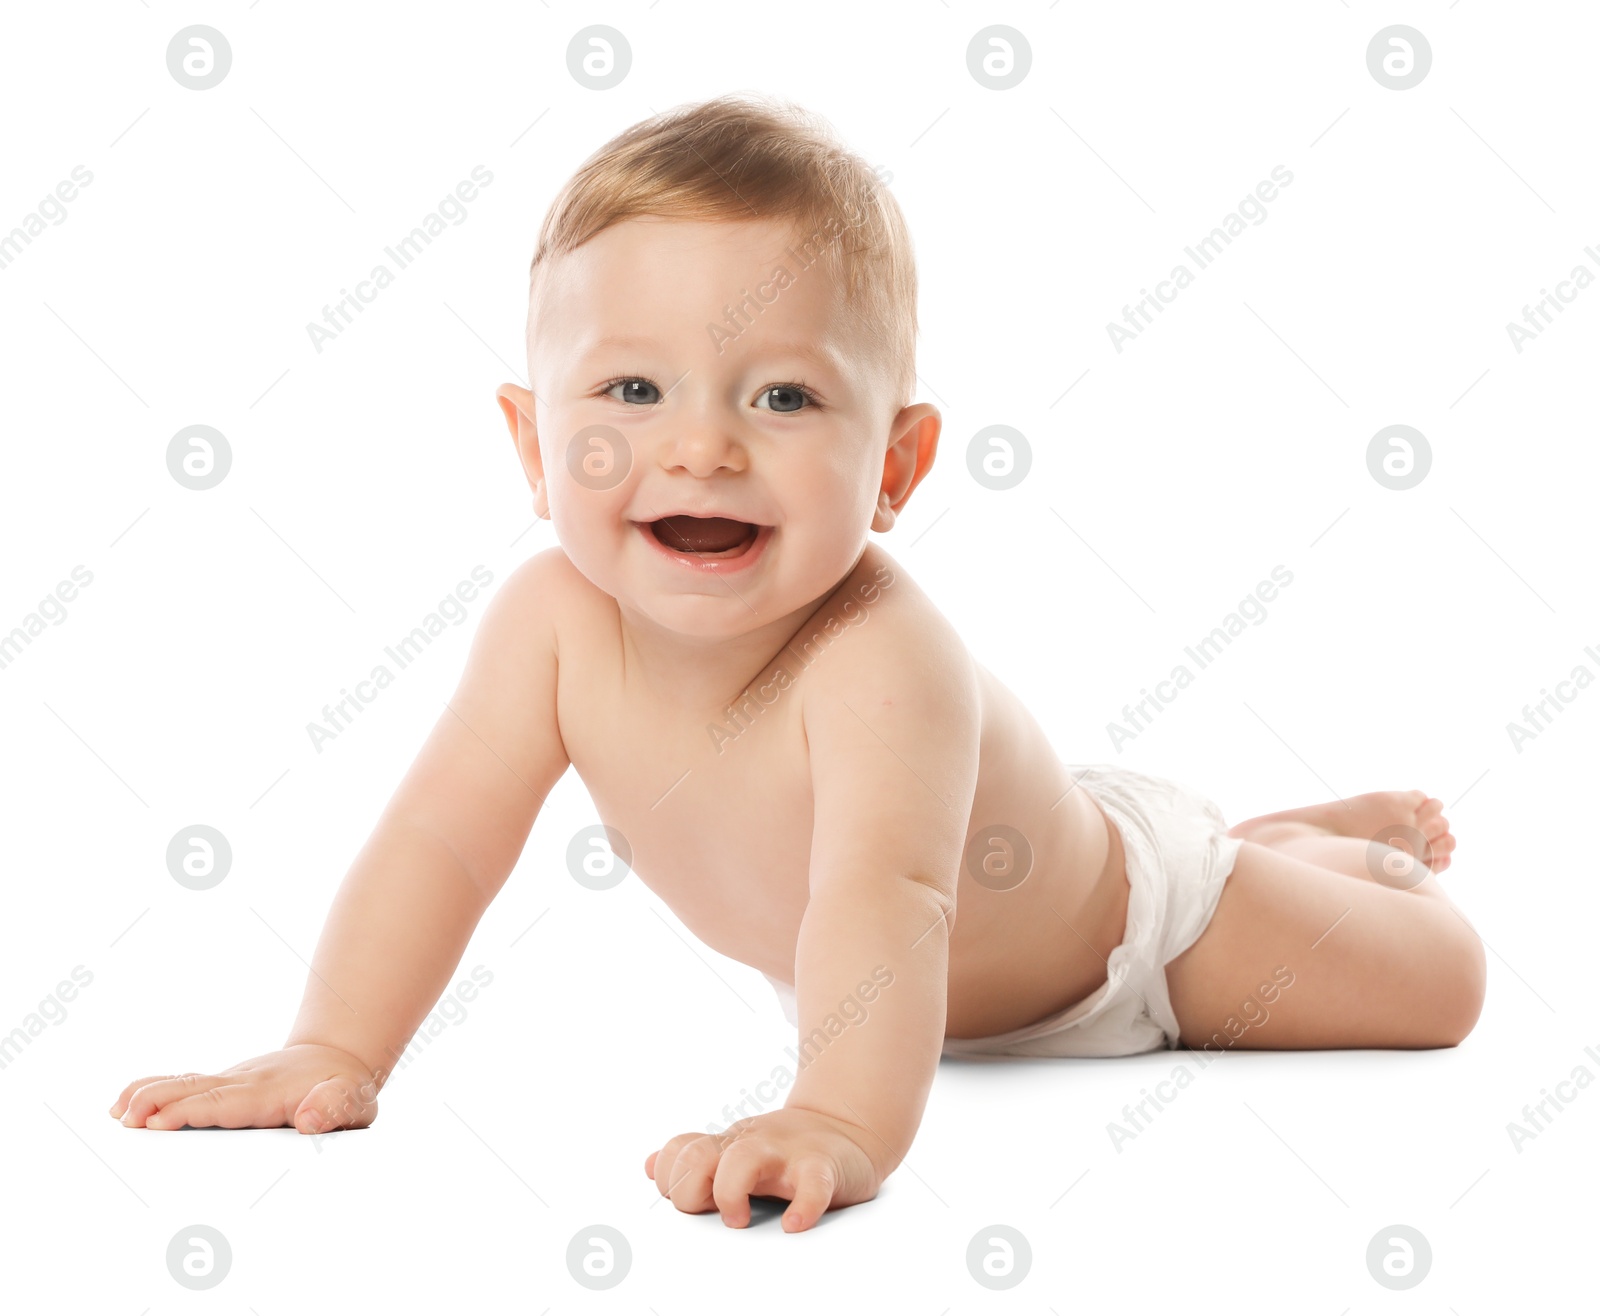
(1178, 855)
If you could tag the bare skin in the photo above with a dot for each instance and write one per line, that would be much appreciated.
(1379, 964)
(797, 753)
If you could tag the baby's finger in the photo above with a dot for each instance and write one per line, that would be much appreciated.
(163, 1091)
(337, 1103)
(120, 1105)
(738, 1172)
(690, 1187)
(659, 1166)
(230, 1106)
(814, 1179)
(743, 1169)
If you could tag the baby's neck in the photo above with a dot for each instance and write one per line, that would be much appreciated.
(706, 671)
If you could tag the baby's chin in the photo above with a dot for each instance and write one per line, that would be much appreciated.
(711, 612)
(698, 619)
(676, 599)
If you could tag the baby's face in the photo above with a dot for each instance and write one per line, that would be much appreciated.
(655, 404)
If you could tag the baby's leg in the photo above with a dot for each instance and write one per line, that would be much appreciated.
(1374, 964)
(1322, 833)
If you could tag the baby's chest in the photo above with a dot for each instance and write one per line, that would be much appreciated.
(716, 814)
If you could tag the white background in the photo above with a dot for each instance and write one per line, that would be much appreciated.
(369, 479)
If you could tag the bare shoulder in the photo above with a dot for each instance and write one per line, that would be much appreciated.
(892, 714)
(880, 638)
(892, 687)
(540, 590)
(543, 600)
(510, 679)
(496, 749)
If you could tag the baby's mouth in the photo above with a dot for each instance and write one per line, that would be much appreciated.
(705, 536)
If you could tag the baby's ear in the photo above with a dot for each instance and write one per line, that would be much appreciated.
(913, 441)
(516, 403)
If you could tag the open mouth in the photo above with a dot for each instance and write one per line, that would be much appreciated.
(706, 537)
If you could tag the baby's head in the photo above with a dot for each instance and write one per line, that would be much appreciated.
(721, 325)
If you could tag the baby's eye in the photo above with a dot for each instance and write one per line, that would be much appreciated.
(786, 397)
(632, 390)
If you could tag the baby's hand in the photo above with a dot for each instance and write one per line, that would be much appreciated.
(813, 1160)
(312, 1088)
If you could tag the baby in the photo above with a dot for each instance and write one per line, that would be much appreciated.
(787, 741)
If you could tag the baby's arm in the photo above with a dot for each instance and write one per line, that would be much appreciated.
(894, 764)
(444, 846)
(893, 739)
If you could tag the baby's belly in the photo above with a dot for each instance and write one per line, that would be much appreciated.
(1019, 955)
(1016, 955)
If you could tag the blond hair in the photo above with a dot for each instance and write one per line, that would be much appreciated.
(746, 157)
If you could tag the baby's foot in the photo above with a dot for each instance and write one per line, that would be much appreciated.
(1368, 816)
